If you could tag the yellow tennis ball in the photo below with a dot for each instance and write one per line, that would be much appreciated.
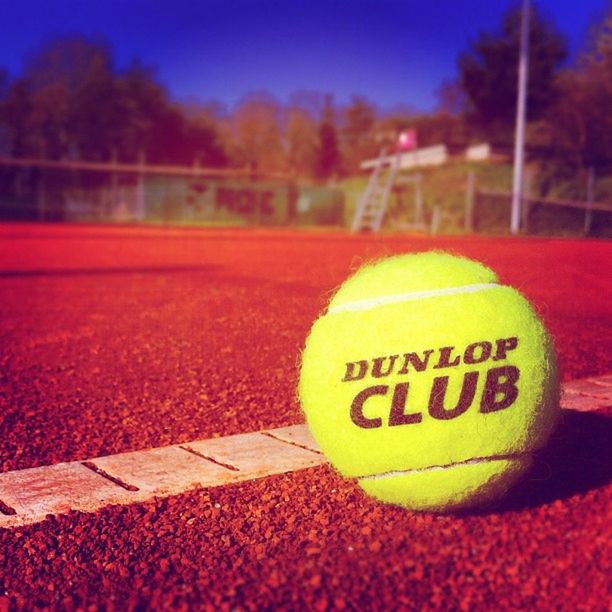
(429, 382)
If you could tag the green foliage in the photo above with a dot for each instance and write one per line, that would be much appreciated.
(301, 136)
(16, 113)
(71, 102)
(256, 127)
(328, 151)
(569, 127)
(488, 71)
(578, 128)
(358, 133)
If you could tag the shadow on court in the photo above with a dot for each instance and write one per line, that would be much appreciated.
(577, 460)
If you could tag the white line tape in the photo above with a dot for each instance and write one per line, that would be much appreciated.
(28, 496)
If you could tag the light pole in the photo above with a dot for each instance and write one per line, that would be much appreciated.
(519, 136)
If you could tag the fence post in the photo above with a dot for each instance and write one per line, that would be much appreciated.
(469, 202)
(41, 194)
(114, 199)
(435, 221)
(140, 197)
(588, 213)
(41, 186)
(418, 199)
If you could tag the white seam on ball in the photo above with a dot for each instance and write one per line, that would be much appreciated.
(408, 297)
(441, 468)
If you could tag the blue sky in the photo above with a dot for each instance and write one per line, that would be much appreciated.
(393, 52)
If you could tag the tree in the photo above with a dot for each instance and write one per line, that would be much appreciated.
(96, 113)
(451, 98)
(488, 71)
(328, 153)
(203, 140)
(358, 133)
(594, 76)
(147, 122)
(72, 102)
(301, 139)
(4, 89)
(257, 136)
(577, 129)
(313, 103)
(72, 97)
(16, 113)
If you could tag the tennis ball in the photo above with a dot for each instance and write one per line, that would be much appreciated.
(429, 382)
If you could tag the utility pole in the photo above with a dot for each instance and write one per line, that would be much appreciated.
(519, 136)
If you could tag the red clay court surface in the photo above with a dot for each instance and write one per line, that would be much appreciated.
(121, 339)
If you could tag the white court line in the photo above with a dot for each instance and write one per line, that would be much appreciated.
(30, 495)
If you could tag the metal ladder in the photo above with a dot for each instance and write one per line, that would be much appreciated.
(373, 202)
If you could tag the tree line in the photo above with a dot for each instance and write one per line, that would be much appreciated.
(71, 102)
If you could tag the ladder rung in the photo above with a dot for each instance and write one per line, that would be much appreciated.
(373, 203)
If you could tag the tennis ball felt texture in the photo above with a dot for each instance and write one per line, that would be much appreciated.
(429, 382)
